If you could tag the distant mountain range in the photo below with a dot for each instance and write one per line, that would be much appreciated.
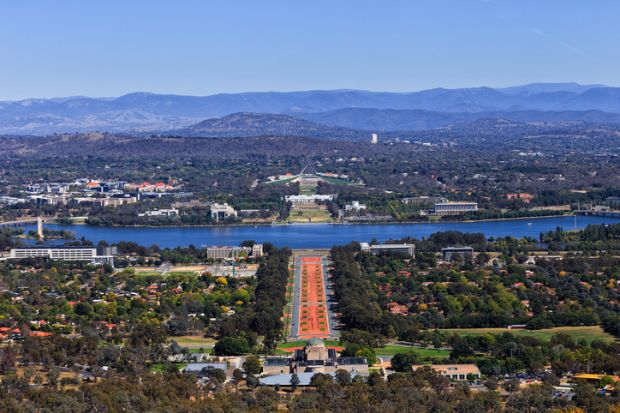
(324, 110)
(381, 120)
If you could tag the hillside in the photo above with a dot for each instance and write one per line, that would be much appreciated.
(262, 124)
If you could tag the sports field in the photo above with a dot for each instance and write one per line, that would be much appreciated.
(195, 344)
(313, 320)
(588, 333)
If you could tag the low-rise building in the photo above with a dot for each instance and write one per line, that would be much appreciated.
(614, 202)
(314, 358)
(423, 200)
(47, 199)
(354, 206)
(232, 252)
(454, 371)
(408, 249)
(108, 201)
(257, 250)
(149, 187)
(89, 254)
(9, 200)
(201, 369)
(463, 253)
(307, 199)
(227, 252)
(219, 212)
(455, 208)
(160, 213)
(276, 365)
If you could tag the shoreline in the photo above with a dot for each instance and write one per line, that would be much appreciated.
(276, 224)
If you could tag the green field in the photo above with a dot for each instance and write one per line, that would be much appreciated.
(183, 273)
(424, 353)
(588, 333)
(307, 189)
(159, 367)
(194, 342)
(338, 181)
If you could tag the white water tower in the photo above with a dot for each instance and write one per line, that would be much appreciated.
(374, 139)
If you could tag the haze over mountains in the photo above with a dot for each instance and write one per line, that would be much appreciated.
(318, 112)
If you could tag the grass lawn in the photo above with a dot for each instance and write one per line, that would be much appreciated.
(307, 190)
(589, 333)
(311, 215)
(197, 350)
(302, 343)
(149, 273)
(194, 342)
(424, 353)
(159, 367)
(183, 273)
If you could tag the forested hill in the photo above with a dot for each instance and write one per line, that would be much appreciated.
(104, 145)
(246, 124)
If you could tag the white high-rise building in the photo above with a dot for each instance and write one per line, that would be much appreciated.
(374, 139)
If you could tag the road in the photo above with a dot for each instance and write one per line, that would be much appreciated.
(326, 295)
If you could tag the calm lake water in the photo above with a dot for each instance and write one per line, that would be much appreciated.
(320, 235)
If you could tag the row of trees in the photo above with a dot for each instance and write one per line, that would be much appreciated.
(270, 296)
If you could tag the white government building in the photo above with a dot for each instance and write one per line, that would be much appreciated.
(66, 254)
(307, 199)
(454, 208)
(408, 249)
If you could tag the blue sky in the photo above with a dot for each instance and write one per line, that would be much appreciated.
(112, 47)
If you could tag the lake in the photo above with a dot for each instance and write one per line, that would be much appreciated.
(320, 235)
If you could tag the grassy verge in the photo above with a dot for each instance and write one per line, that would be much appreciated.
(159, 367)
(302, 343)
(183, 273)
(148, 274)
(288, 308)
(588, 333)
